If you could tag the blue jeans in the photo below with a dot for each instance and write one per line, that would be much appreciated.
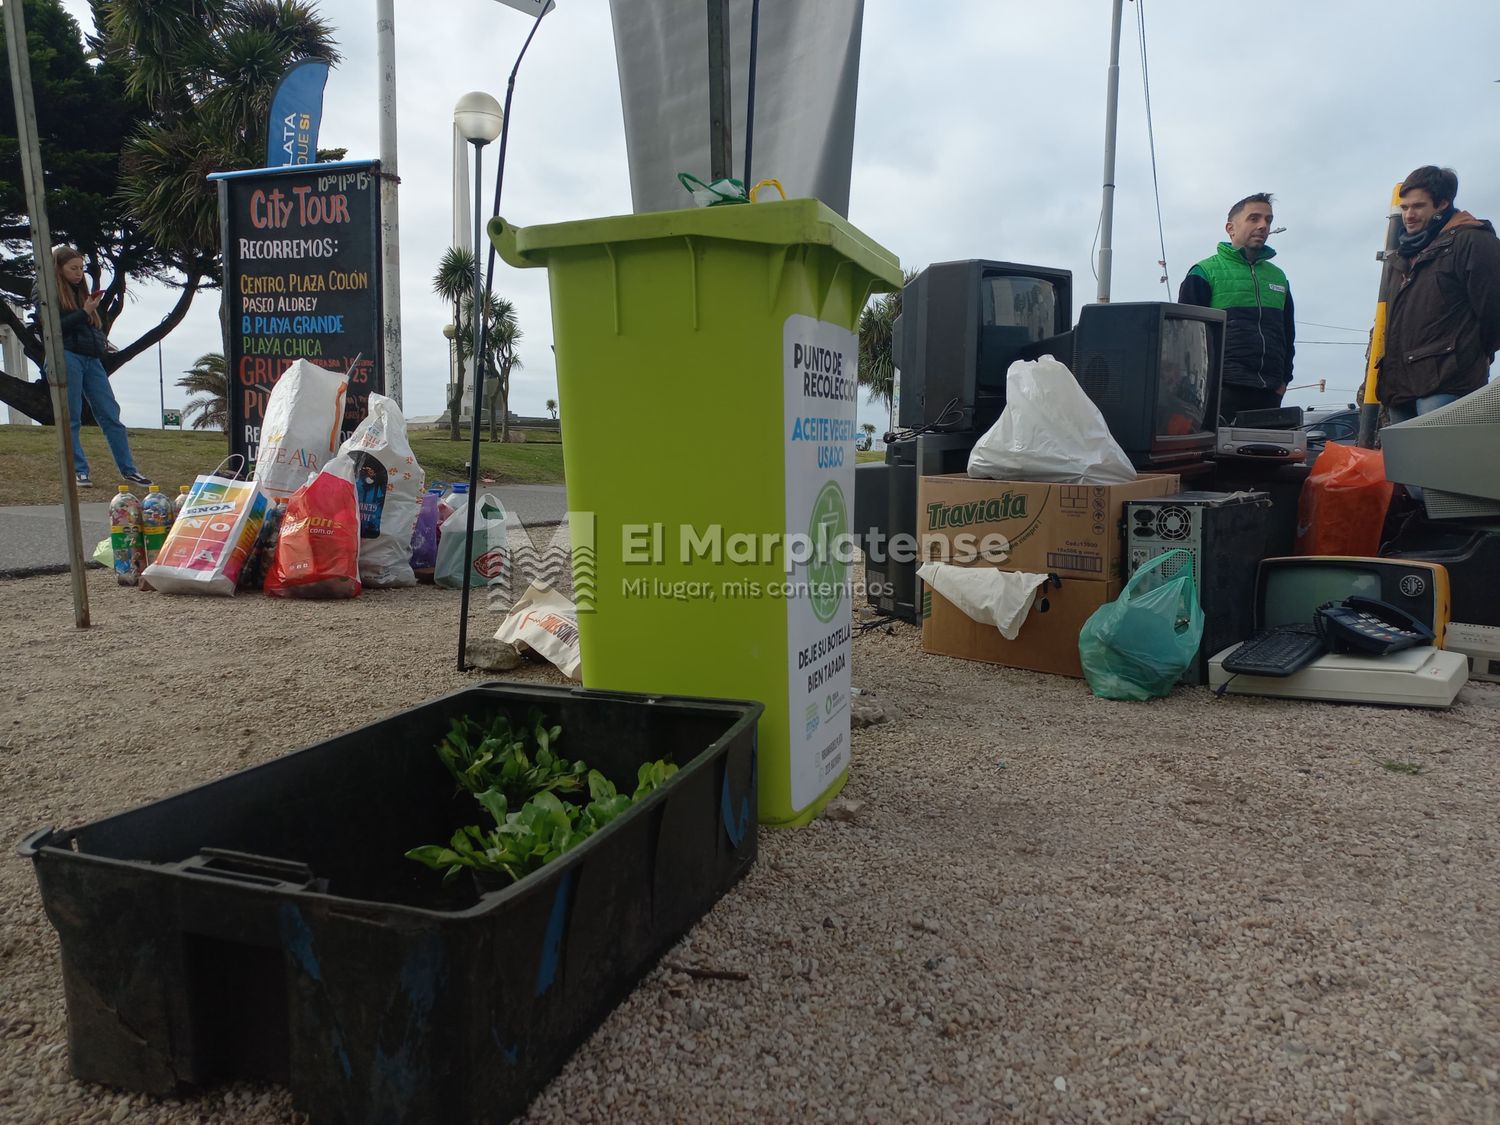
(1406, 411)
(86, 379)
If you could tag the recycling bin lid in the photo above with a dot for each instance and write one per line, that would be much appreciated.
(790, 222)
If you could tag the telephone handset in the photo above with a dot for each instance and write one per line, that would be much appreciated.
(1368, 625)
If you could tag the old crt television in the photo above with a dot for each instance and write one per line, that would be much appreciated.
(962, 325)
(1153, 371)
(1452, 454)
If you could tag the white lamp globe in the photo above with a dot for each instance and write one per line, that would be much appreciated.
(478, 117)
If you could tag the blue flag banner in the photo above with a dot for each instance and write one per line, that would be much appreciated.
(296, 111)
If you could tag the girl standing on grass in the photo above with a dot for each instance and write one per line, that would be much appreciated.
(83, 347)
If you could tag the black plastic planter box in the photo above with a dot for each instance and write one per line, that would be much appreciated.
(268, 925)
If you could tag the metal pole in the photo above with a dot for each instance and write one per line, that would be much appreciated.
(720, 138)
(477, 364)
(41, 246)
(161, 385)
(489, 277)
(750, 90)
(1111, 119)
(390, 253)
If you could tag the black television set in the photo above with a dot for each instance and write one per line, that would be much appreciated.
(962, 325)
(1153, 370)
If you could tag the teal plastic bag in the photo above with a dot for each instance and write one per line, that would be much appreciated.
(1138, 645)
(488, 555)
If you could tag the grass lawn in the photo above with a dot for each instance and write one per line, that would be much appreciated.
(861, 456)
(29, 468)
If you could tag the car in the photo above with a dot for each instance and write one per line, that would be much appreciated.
(864, 440)
(1322, 426)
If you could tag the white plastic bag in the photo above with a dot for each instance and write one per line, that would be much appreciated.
(547, 623)
(388, 486)
(487, 559)
(1049, 431)
(1001, 598)
(301, 430)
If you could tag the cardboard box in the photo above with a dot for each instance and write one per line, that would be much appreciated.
(1071, 530)
(1048, 638)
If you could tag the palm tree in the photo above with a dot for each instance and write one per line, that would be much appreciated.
(502, 337)
(206, 71)
(208, 377)
(552, 408)
(877, 367)
(454, 283)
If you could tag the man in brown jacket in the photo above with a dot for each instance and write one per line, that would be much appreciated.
(1443, 325)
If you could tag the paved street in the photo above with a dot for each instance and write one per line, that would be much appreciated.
(33, 540)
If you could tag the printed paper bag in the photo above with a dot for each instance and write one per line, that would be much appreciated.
(210, 539)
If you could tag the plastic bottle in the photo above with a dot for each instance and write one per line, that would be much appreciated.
(453, 501)
(180, 501)
(263, 554)
(424, 535)
(156, 517)
(271, 533)
(125, 536)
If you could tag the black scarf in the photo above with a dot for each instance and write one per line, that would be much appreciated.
(1413, 244)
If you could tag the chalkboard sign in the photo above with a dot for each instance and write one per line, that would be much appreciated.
(301, 281)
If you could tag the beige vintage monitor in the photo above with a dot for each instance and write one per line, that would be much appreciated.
(1288, 591)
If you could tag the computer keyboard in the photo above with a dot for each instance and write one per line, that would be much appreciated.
(1279, 652)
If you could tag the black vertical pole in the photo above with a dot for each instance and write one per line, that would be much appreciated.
(477, 366)
(750, 90)
(720, 141)
(489, 277)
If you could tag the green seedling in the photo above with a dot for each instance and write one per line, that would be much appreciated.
(500, 758)
(652, 776)
(534, 797)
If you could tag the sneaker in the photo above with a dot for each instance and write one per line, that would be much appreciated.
(82, 480)
(137, 478)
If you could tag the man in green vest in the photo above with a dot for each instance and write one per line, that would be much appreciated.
(1257, 301)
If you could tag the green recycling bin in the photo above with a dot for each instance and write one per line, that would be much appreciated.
(706, 369)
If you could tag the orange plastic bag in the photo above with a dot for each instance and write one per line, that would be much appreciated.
(1343, 503)
(317, 555)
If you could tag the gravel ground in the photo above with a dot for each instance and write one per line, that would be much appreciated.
(1030, 904)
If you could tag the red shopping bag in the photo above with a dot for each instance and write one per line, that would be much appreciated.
(317, 555)
(1343, 503)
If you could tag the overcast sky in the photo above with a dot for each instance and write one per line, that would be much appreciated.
(980, 135)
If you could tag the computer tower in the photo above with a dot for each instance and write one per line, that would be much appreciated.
(885, 515)
(1224, 535)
